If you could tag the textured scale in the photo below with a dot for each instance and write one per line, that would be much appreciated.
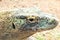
(19, 24)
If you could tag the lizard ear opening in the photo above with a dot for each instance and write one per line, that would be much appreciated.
(13, 25)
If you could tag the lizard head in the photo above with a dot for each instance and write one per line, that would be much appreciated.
(25, 22)
(33, 19)
(34, 23)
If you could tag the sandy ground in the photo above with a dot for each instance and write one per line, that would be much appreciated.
(50, 6)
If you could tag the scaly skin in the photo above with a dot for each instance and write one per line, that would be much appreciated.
(22, 23)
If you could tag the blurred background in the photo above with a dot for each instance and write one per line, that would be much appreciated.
(49, 6)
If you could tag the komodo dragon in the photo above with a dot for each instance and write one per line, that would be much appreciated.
(18, 24)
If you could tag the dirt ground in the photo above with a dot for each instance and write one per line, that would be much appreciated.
(50, 6)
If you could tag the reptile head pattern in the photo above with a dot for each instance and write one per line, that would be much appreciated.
(34, 20)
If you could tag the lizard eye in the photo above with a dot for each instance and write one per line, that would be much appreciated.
(31, 19)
